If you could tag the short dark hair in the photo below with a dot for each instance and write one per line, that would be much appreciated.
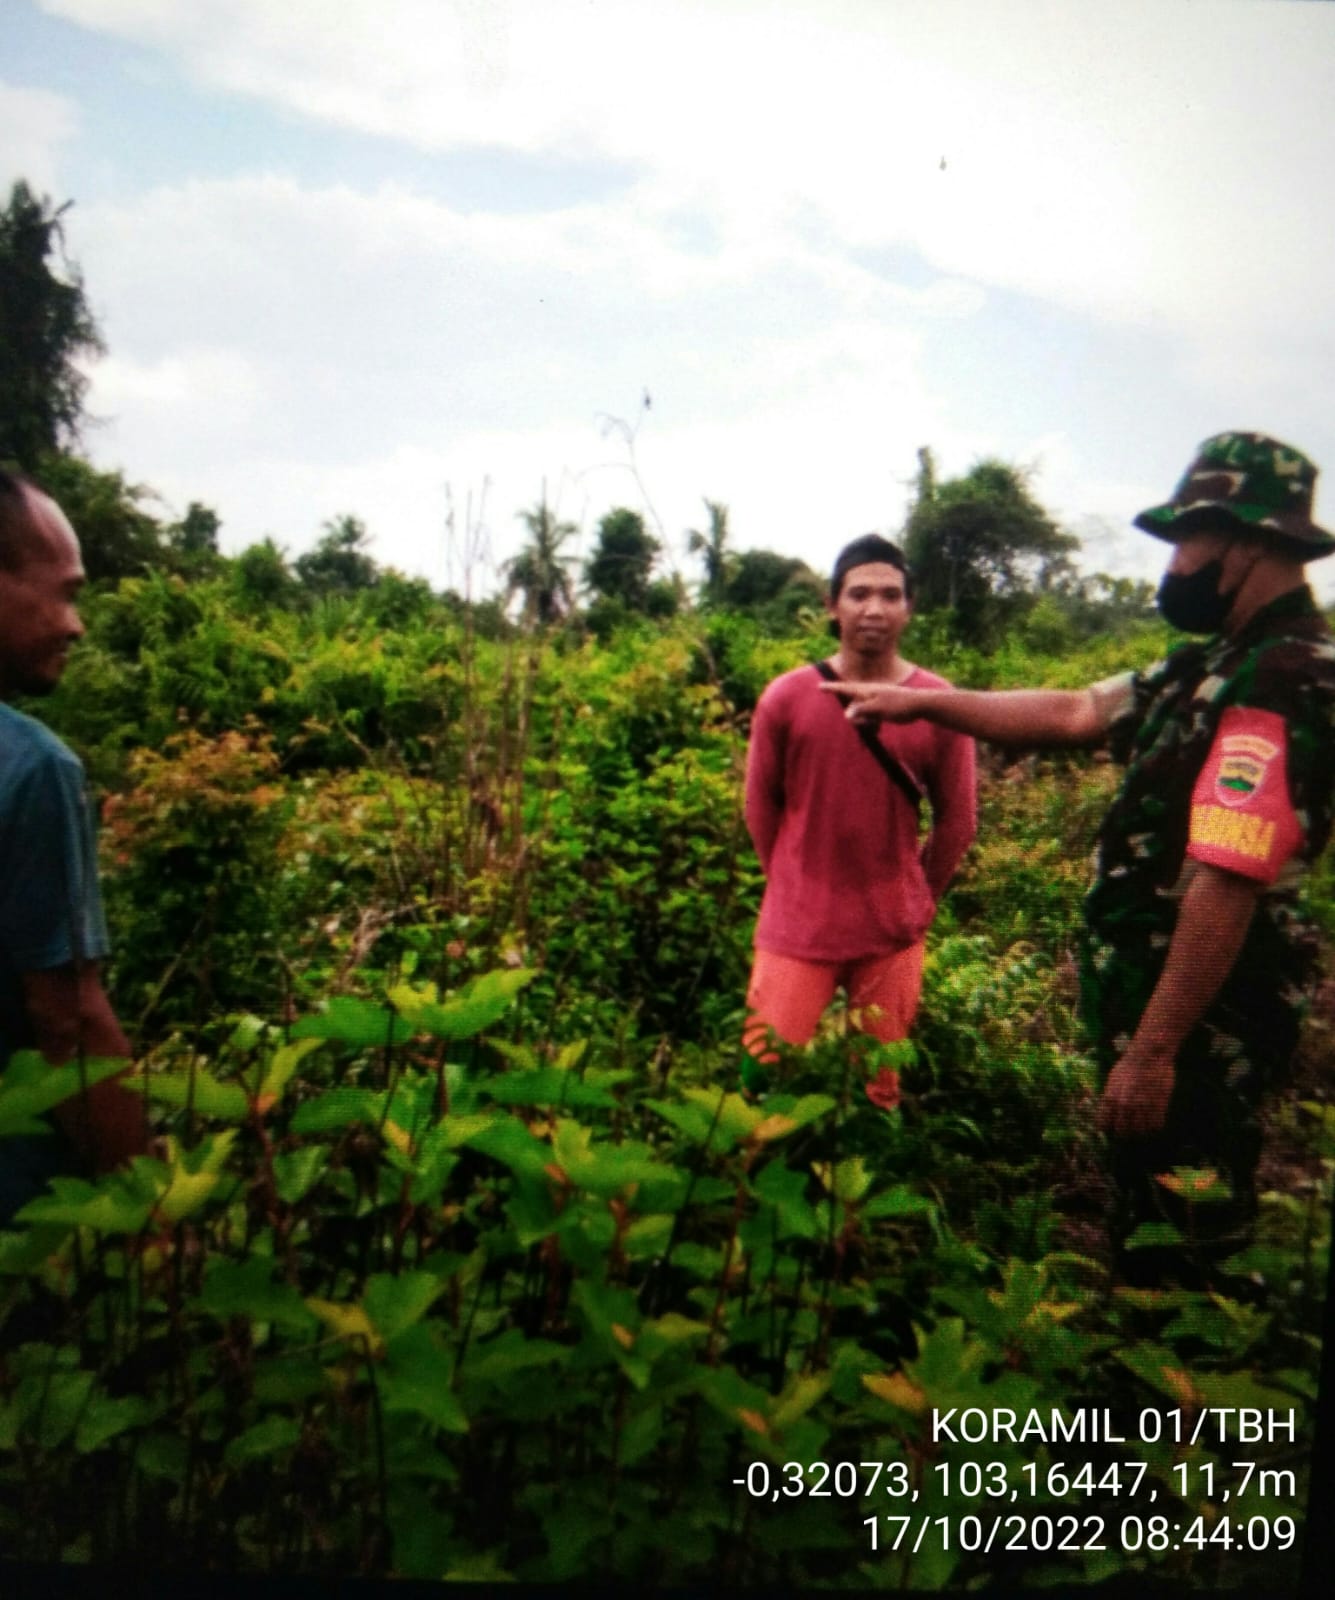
(870, 547)
(13, 515)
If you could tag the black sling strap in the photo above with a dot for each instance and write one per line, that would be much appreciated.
(893, 768)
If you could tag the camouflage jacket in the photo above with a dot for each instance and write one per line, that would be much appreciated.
(1181, 781)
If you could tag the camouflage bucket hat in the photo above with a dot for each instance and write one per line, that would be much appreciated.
(1252, 480)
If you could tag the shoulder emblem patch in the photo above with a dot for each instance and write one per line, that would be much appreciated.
(1244, 760)
(1242, 817)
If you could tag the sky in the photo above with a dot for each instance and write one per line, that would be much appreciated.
(425, 261)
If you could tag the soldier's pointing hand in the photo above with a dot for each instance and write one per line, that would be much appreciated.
(876, 702)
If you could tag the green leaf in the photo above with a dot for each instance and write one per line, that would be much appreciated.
(572, 1530)
(523, 1056)
(16, 1410)
(571, 1055)
(603, 1169)
(425, 1541)
(107, 1418)
(30, 1085)
(548, 1086)
(533, 1213)
(208, 1156)
(1162, 1369)
(297, 1171)
(697, 1124)
(348, 1321)
(458, 1130)
(1195, 1185)
(641, 1433)
(425, 1398)
(284, 1063)
(806, 1109)
(337, 1109)
(355, 1022)
(779, 1186)
(851, 1179)
(416, 1379)
(269, 1436)
(481, 1567)
(248, 1289)
(475, 1007)
(194, 1177)
(742, 1403)
(115, 1204)
(647, 1237)
(899, 1202)
(510, 1352)
(162, 1455)
(508, 1141)
(736, 1117)
(431, 1167)
(700, 1260)
(613, 1318)
(36, 1358)
(1154, 1233)
(671, 1331)
(66, 1395)
(798, 1398)
(1243, 1391)
(288, 1379)
(396, 1301)
(25, 1252)
(247, 1034)
(228, 1102)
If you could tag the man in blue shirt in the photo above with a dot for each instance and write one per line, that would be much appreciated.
(52, 933)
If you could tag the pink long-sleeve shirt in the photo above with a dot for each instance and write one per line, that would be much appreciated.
(845, 874)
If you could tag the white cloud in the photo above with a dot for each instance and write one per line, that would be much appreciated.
(806, 190)
(313, 352)
(1096, 156)
(220, 380)
(35, 125)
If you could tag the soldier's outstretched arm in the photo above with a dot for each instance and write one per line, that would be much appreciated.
(1212, 924)
(1004, 716)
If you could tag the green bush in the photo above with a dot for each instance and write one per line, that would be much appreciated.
(392, 1300)
(483, 1267)
(192, 886)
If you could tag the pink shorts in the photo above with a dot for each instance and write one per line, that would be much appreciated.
(789, 996)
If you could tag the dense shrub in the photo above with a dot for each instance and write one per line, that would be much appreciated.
(193, 880)
(463, 1256)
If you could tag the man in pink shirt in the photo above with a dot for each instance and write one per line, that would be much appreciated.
(850, 889)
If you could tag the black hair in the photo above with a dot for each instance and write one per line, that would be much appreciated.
(13, 516)
(870, 547)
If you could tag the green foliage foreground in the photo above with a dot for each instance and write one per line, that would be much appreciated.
(393, 1300)
(462, 1256)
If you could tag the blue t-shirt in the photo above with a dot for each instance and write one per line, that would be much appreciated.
(50, 902)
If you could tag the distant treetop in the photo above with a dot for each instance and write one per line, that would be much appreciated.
(45, 326)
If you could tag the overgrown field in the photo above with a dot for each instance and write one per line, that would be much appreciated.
(464, 1255)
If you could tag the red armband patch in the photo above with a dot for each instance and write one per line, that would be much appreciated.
(1242, 818)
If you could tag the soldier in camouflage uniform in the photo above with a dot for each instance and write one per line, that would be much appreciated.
(1198, 955)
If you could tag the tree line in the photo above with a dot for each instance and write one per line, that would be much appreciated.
(985, 553)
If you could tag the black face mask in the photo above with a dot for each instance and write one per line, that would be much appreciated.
(1192, 601)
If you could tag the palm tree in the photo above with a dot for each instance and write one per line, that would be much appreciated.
(539, 570)
(713, 545)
